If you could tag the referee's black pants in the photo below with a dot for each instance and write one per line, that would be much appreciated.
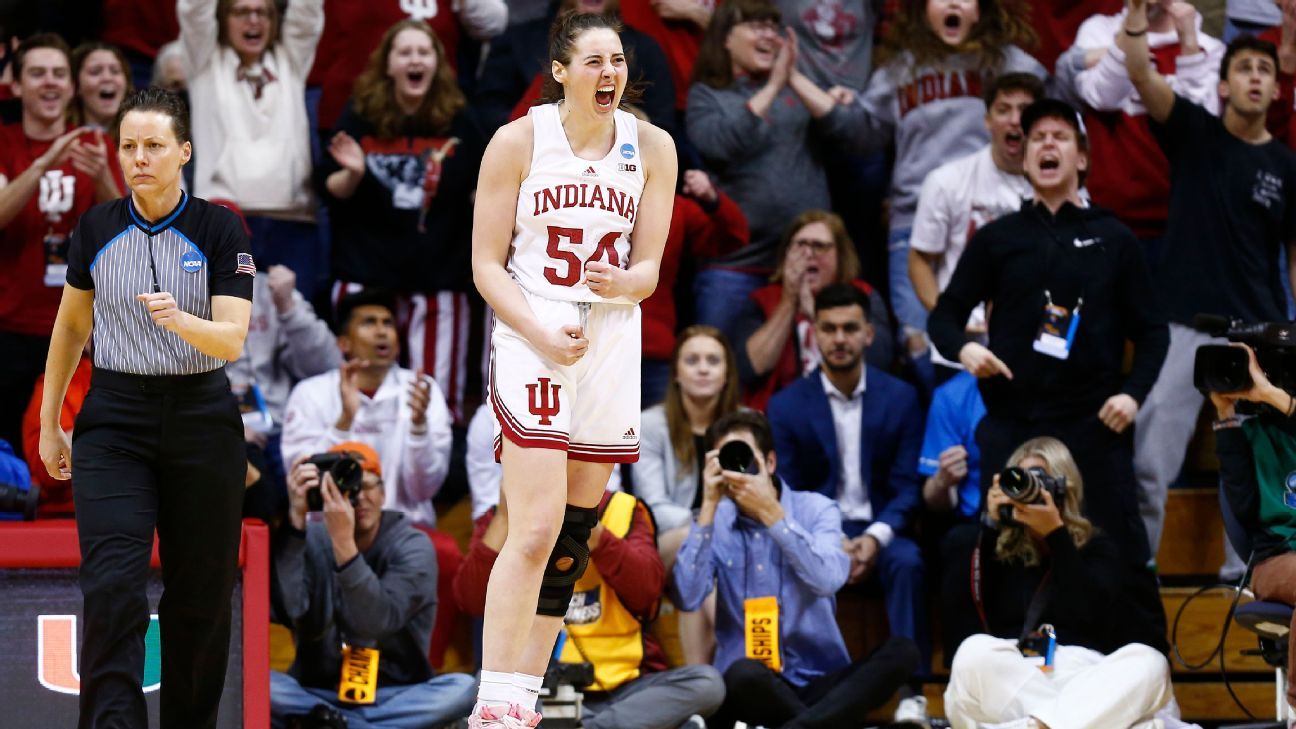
(164, 453)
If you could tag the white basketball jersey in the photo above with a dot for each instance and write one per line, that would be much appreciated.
(572, 210)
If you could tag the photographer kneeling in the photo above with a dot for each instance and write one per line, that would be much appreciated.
(359, 589)
(1038, 602)
(1257, 455)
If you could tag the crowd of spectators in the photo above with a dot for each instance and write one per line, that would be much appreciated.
(913, 243)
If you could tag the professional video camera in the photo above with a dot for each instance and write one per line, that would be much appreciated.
(347, 475)
(1027, 486)
(18, 502)
(1223, 368)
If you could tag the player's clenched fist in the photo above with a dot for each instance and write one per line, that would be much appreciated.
(565, 346)
(605, 280)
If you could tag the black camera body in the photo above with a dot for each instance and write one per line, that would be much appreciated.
(739, 457)
(347, 475)
(1027, 486)
(1223, 368)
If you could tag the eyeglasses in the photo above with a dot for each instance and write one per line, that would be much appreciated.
(245, 13)
(818, 246)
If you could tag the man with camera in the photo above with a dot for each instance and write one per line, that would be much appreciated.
(1231, 215)
(853, 433)
(401, 414)
(1257, 454)
(775, 556)
(359, 591)
(630, 686)
(1029, 604)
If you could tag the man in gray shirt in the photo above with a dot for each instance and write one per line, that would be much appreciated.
(359, 592)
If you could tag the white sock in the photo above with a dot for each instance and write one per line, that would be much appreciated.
(526, 690)
(495, 689)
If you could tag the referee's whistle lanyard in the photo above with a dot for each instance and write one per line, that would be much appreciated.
(157, 289)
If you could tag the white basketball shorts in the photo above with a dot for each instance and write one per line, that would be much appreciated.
(589, 409)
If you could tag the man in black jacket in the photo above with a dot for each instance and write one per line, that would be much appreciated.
(1067, 286)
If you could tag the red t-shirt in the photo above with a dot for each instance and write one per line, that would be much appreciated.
(354, 29)
(679, 39)
(143, 26)
(1056, 23)
(55, 496)
(31, 279)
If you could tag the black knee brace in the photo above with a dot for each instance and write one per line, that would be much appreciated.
(567, 562)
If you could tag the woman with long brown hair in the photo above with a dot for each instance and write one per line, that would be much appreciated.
(398, 182)
(703, 387)
(102, 77)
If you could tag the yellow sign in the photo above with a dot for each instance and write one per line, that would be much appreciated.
(762, 618)
(359, 682)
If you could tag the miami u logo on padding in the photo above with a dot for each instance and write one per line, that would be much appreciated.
(546, 404)
(56, 654)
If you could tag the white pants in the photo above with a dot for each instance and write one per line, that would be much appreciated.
(991, 682)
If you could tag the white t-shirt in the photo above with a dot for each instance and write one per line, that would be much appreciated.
(957, 198)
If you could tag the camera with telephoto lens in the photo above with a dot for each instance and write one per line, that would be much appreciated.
(18, 502)
(1027, 486)
(347, 475)
(1224, 368)
(739, 457)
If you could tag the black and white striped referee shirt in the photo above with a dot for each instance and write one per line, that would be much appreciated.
(197, 251)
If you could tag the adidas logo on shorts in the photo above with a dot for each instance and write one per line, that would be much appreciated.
(629, 435)
(590, 172)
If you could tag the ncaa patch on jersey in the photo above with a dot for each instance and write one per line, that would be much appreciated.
(628, 150)
(191, 261)
(245, 264)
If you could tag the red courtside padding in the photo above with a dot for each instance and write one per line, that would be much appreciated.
(53, 544)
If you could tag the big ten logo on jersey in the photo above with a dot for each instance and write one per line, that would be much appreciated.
(542, 400)
(575, 238)
(419, 9)
(56, 643)
(57, 193)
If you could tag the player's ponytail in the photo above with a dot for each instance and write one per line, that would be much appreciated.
(568, 27)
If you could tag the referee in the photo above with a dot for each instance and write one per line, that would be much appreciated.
(166, 281)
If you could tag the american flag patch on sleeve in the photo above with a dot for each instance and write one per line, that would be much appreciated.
(245, 264)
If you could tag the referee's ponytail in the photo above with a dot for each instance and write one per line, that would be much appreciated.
(153, 98)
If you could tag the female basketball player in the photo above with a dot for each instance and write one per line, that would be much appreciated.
(564, 193)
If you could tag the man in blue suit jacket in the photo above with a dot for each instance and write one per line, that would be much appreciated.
(854, 433)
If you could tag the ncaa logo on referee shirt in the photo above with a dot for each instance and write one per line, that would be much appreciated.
(628, 150)
(191, 261)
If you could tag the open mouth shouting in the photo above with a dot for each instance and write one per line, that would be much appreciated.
(605, 96)
(1013, 142)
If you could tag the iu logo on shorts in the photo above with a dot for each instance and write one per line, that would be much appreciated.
(543, 404)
